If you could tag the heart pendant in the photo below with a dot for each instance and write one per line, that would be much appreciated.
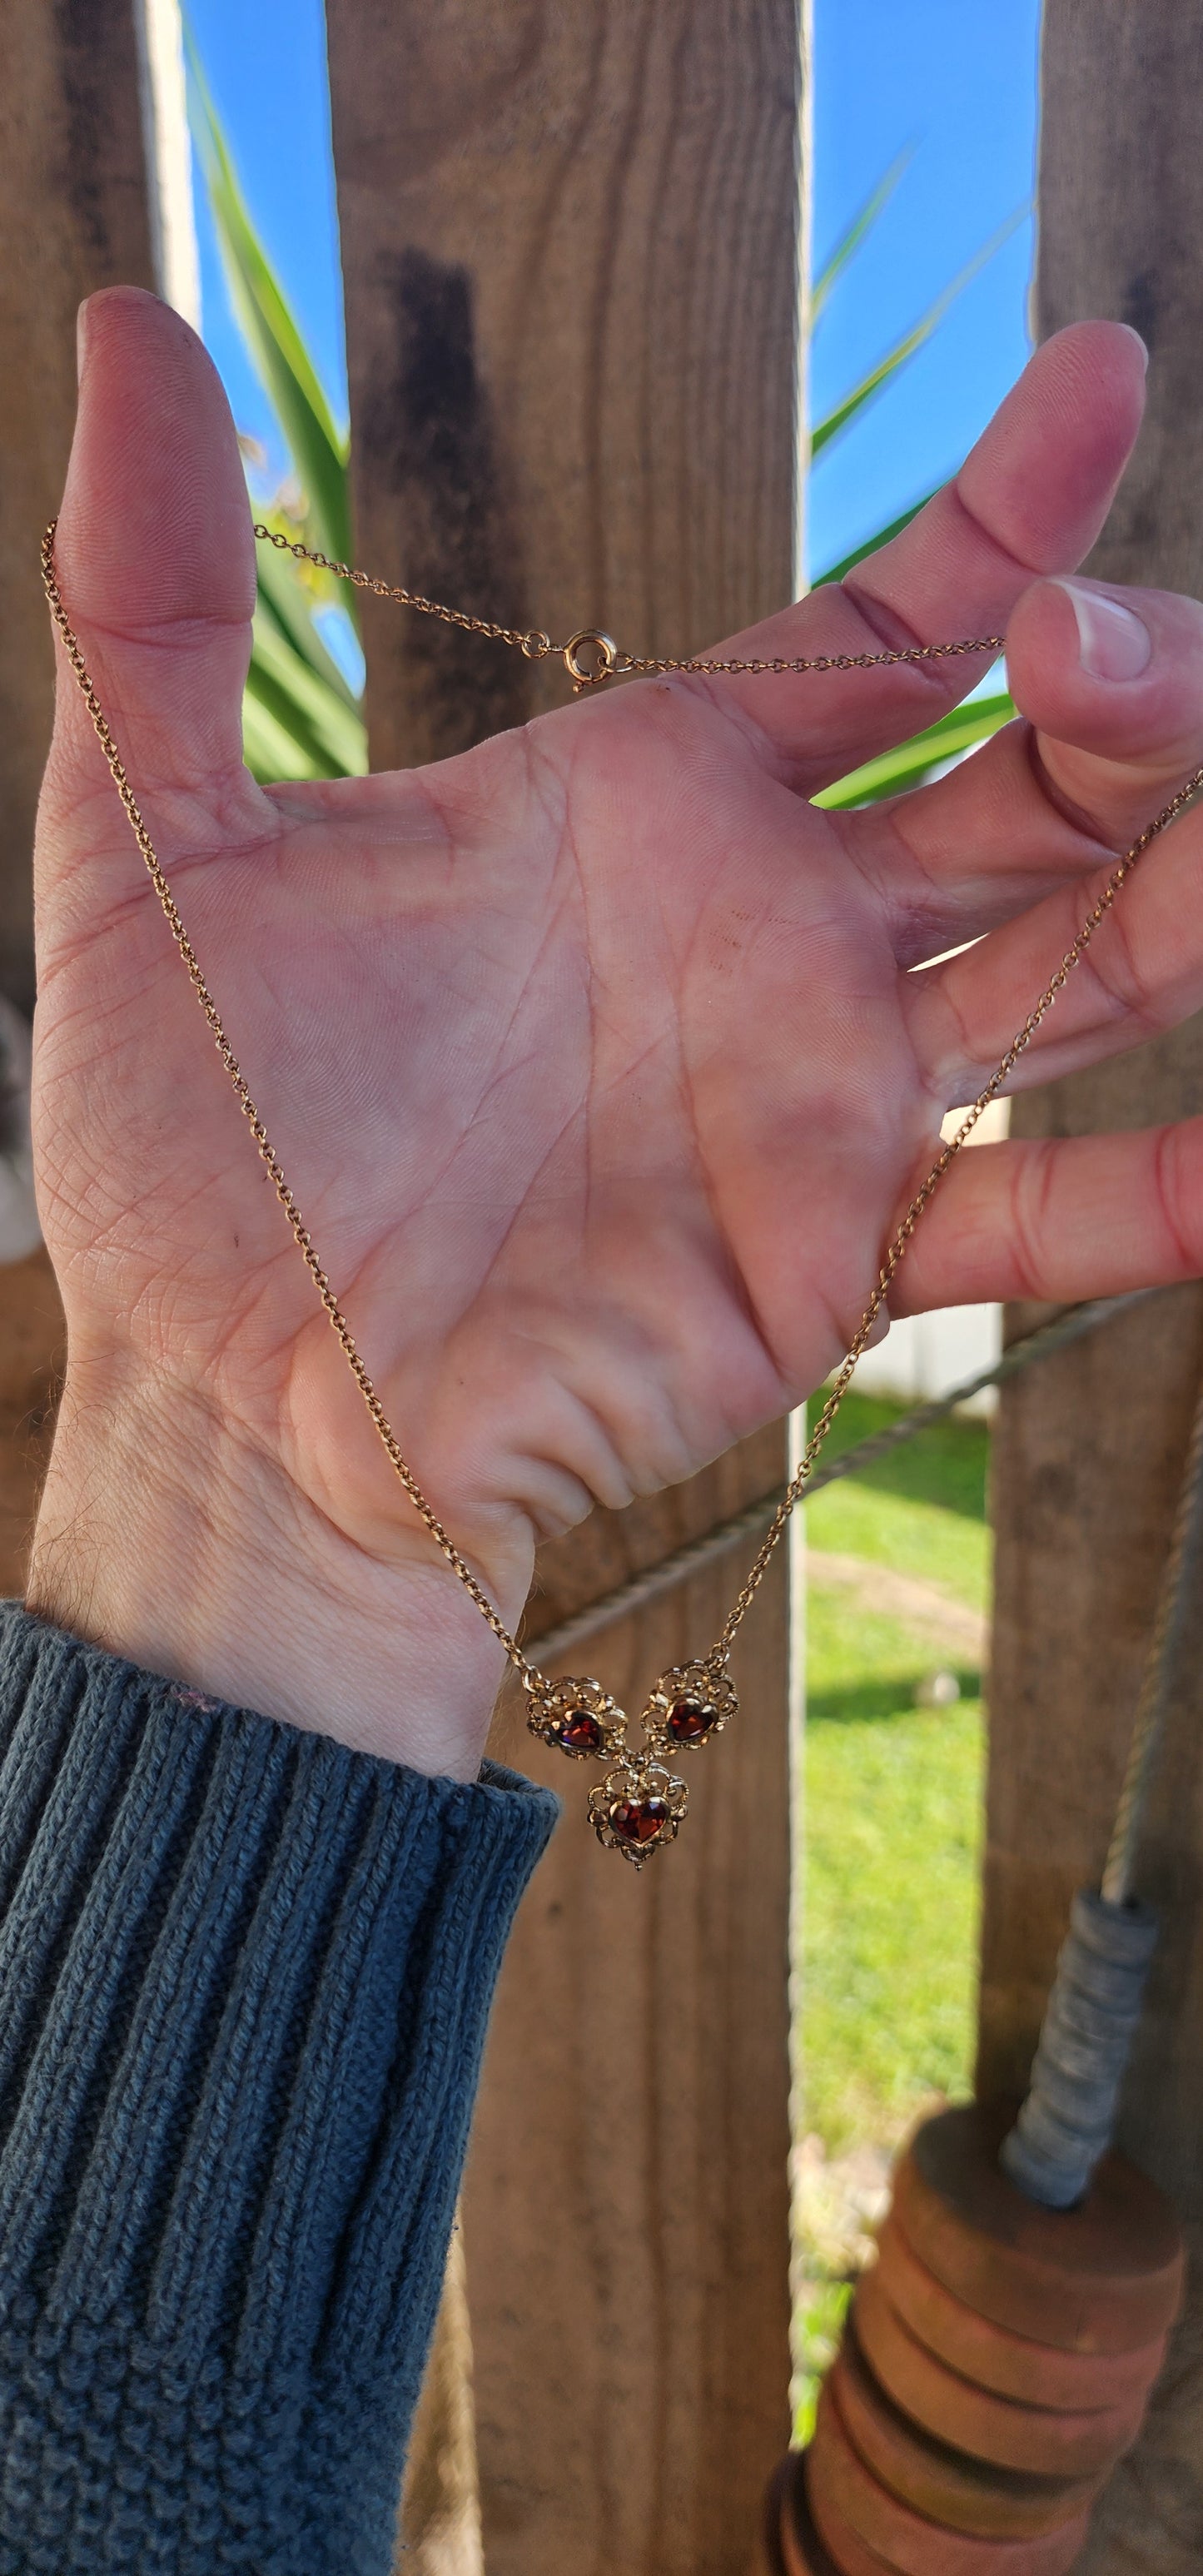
(575, 1717)
(637, 1809)
(690, 1703)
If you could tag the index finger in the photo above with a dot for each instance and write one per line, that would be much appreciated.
(1030, 498)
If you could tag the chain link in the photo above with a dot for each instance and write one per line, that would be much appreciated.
(610, 663)
(536, 645)
(899, 1241)
(266, 1150)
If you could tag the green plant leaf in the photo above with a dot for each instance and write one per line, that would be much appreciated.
(909, 762)
(295, 725)
(319, 451)
(301, 717)
(286, 605)
(270, 747)
(836, 421)
(870, 545)
(862, 224)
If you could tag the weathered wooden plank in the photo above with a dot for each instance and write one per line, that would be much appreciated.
(1090, 1448)
(570, 272)
(570, 257)
(32, 1349)
(626, 2211)
(73, 216)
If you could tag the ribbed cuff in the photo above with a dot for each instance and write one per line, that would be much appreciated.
(246, 1975)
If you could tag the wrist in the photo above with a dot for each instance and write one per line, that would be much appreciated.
(169, 1536)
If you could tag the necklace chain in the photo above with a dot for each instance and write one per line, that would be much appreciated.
(640, 1805)
(592, 657)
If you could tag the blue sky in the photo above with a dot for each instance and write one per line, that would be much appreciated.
(954, 83)
(957, 84)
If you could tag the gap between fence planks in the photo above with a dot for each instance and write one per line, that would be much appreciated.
(570, 254)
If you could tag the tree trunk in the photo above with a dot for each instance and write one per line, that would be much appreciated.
(1090, 1447)
(570, 245)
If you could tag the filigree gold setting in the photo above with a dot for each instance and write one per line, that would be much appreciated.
(576, 1717)
(638, 1808)
(691, 1703)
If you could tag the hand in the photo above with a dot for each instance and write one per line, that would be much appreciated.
(595, 1057)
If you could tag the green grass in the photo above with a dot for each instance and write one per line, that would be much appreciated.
(921, 1510)
(818, 2328)
(893, 1799)
(893, 1814)
(893, 1792)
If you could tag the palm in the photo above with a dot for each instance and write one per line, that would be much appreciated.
(552, 1100)
(594, 1058)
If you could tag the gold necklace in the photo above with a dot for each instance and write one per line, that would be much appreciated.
(638, 1806)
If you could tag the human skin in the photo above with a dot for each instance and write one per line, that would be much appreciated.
(596, 1057)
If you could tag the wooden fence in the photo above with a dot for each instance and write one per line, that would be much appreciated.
(570, 244)
(1089, 1449)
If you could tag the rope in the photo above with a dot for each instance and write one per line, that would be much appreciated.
(695, 1555)
(1068, 2120)
(1159, 1671)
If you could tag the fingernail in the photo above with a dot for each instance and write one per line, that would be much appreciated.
(81, 341)
(1113, 643)
(1142, 345)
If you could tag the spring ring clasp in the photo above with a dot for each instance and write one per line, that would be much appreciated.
(603, 658)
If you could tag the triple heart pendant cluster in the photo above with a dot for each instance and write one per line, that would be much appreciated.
(639, 1805)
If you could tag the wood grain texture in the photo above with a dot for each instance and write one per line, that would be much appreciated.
(1090, 1447)
(570, 253)
(625, 2212)
(32, 1349)
(73, 217)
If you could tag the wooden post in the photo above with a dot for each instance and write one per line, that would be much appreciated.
(73, 213)
(1090, 1448)
(626, 2210)
(570, 257)
(73, 216)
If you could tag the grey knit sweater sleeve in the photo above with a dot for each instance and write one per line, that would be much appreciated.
(244, 1978)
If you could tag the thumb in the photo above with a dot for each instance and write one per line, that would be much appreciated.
(155, 557)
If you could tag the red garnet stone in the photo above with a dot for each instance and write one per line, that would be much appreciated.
(581, 1732)
(639, 1820)
(689, 1720)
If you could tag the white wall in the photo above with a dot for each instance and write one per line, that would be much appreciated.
(925, 1355)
